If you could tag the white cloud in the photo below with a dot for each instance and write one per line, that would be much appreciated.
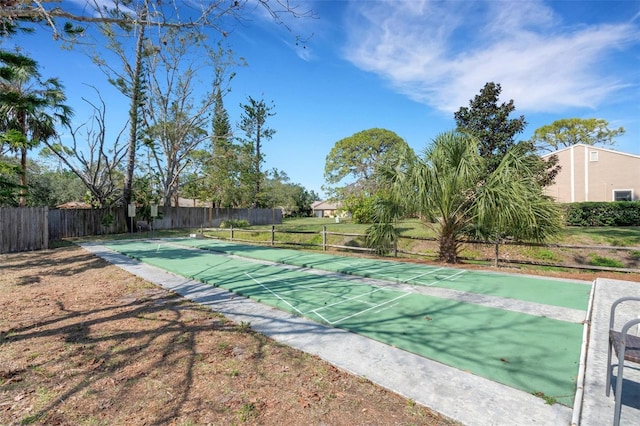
(442, 53)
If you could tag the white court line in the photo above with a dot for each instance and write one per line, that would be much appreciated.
(421, 275)
(275, 294)
(344, 300)
(324, 283)
(446, 278)
(361, 312)
(349, 299)
(347, 264)
(305, 287)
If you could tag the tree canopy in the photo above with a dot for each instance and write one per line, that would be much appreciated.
(357, 157)
(489, 122)
(30, 108)
(570, 131)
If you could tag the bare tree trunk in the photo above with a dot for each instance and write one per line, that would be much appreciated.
(133, 117)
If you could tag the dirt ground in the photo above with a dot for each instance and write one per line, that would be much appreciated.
(84, 343)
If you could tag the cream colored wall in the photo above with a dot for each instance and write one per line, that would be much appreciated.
(583, 180)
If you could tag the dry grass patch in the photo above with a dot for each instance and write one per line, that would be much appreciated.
(84, 343)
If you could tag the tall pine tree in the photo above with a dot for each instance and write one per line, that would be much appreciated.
(222, 167)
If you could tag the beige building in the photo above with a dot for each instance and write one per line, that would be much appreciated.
(591, 173)
(325, 209)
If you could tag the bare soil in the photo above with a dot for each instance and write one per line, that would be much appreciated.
(84, 343)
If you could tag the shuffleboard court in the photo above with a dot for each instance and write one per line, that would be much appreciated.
(561, 293)
(527, 352)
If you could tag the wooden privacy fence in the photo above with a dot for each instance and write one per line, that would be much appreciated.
(23, 229)
(208, 217)
(31, 228)
(71, 223)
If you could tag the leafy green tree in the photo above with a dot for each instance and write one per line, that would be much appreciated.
(353, 160)
(489, 122)
(253, 122)
(29, 107)
(570, 131)
(10, 187)
(53, 187)
(292, 198)
(361, 207)
(449, 187)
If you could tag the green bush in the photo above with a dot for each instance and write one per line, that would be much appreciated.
(236, 223)
(362, 208)
(605, 261)
(619, 213)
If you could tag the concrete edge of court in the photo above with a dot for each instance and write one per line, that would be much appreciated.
(456, 394)
(596, 408)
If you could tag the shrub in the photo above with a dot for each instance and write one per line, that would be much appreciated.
(619, 213)
(236, 223)
(361, 207)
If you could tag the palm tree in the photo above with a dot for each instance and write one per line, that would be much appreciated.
(447, 188)
(29, 108)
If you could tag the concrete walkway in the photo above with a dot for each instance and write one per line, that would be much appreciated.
(464, 397)
(597, 408)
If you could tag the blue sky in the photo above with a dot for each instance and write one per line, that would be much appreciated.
(407, 66)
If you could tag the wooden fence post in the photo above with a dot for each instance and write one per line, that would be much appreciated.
(324, 238)
(45, 229)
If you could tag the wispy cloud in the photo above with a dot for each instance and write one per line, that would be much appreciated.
(442, 53)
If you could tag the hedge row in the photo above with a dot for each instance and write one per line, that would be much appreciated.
(619, 213)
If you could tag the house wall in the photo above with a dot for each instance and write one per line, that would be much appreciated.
(585, 178)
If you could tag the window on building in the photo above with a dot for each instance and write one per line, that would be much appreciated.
(623, 195)
(593, 156)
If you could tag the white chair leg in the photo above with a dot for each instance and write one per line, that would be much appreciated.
(619, 380)
(609, 369)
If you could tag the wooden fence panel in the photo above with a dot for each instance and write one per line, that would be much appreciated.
(70, 223)
(207, 217)
(31, 228)
(23, 229)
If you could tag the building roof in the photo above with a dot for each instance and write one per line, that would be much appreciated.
(325, 205)
(74, 205)
(599, 148)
